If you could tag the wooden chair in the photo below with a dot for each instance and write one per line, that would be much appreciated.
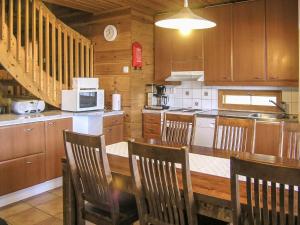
(290, 141)
(97, 200)
(234, 134)
(270, 196)
(159, 199)
(178, 129)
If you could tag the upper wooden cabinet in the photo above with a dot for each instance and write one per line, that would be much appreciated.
(163, 54)
(175, 52)
(282, 39)
(187, 51)
(249, 41)
(217, 44)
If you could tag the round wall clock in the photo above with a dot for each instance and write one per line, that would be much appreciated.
(110, 33)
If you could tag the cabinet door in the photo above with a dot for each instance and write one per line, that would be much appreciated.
(21, 173)
(21, 140)
(187, 52)
(217, 44)
(55, 146)
(249, 41)
(107, 135)
(282, 39)
(117, 133)
(163, 51)
(267, 138)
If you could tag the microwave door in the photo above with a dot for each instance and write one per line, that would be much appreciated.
(87, 100)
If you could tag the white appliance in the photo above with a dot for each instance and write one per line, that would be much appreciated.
(27, 106)
(204, 131)
(186, 76)
(85, 83)
(78, 100)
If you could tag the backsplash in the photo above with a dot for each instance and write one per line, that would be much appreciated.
(194, 94)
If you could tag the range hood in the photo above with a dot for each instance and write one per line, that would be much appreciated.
(186, 76)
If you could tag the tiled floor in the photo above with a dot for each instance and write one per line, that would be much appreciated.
(43, 209)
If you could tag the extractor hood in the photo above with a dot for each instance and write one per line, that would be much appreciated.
(186, 76)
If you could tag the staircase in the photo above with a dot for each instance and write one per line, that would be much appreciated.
(41, 52)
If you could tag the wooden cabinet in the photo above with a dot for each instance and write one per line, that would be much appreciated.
(113, 129)
(151, 125)
(249, 41)
(282, 40)
(267, 138)
(175, 52)
(187, 51)
(217, 43)
(21, 173)
(163, 54)
(21, 140)
(55, 146)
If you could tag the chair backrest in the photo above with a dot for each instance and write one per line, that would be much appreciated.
(90, 171)
(290, 141)
(234, 134)
(270, 196)
(155, 177)
(178, 129)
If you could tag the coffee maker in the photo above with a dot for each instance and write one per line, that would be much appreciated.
(156, 97)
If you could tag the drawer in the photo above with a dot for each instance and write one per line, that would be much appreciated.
(21, 173)
(152, 129)
(21, 140)
(109, 121)
(152, 118)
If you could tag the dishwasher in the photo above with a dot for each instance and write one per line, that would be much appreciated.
(204, 131)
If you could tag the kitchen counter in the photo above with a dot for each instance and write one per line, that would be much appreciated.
(242, 114)
(14, 119)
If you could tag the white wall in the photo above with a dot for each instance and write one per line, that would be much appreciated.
(194, 94)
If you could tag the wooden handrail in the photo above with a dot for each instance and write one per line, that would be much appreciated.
(49, 52)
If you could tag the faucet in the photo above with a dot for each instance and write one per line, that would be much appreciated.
(281, 106)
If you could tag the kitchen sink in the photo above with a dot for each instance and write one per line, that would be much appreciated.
(272, 116)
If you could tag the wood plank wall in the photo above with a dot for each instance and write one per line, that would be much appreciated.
(111, 57)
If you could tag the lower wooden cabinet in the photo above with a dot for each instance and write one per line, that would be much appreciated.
(21, 140)
(21, 173)
(151, 125)
(267, 138)
(113, 129)
(55, 146)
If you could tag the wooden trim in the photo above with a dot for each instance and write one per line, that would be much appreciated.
(221, 105)
(40, 48)
(27, 36)
(19, 32)
(253, 83)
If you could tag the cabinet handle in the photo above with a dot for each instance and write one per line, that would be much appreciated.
(51, 123)
(257, 78)
(28, 129)
(28, 163)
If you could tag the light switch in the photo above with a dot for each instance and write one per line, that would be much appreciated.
(125, 69)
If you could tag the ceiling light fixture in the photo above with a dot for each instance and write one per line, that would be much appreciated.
(185, 21)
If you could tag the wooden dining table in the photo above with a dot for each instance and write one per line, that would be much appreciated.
(212, 192)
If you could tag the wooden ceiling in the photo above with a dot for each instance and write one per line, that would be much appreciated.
(150, 6)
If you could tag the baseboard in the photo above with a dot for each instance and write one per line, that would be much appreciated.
(29, 192)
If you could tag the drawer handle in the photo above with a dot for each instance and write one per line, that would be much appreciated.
(28, 163)
(28, 129)
(51, 123)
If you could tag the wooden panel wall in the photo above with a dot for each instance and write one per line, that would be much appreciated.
(111, 57)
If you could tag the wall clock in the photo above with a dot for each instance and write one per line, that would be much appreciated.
(110, 33)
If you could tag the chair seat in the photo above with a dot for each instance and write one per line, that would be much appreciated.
(99, 215)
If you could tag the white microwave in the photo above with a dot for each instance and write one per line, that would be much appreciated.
(82, 100)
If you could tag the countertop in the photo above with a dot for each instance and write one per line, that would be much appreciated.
(14, 119)
(228, 113)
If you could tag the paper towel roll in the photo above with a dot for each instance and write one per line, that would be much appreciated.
(116, 102)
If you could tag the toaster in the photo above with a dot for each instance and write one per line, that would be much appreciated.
(27, 106)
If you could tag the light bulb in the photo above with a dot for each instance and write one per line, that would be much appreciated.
(185, 31)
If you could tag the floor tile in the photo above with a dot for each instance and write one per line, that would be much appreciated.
(53, 207)
(41, 199)
(31, 216)
(51, 221)
(14, 209)
(57, 191)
